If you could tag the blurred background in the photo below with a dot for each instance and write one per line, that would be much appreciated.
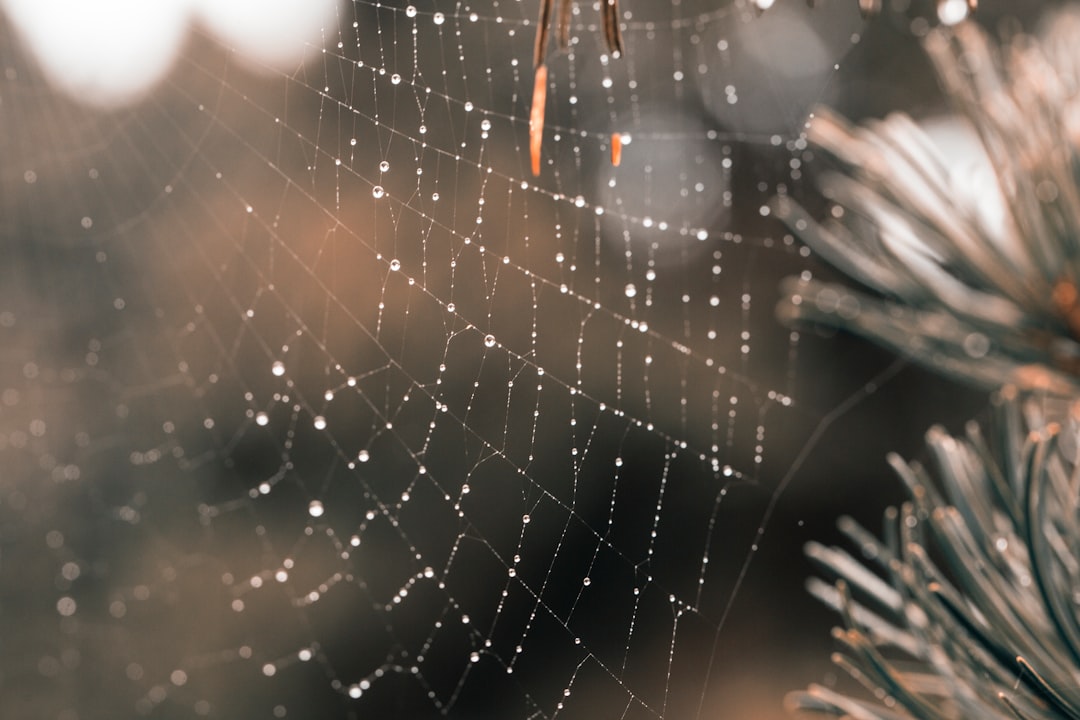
(315, 403)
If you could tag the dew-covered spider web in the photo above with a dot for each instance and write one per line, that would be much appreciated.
(317, 404)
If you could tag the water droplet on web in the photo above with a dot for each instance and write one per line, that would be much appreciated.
(278, 368)
(262, 419)
(485, 125)
(319, 422)
(377, 192)
(410, 11)
(384, 166)
(630, 290)
(438, 18)
(395, 264)
(315, 509)
(489, 340)
(363, 456)
(395, 79)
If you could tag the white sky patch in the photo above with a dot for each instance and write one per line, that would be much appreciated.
(110, 52)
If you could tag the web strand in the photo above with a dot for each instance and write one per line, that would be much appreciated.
(374, 422)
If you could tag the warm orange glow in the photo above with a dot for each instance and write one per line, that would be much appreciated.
(1066, 299)
(616, 149)
(536, 117)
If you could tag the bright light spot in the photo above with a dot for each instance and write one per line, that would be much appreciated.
(951, 12)
(266, 32)
(111, 52)
(315, 509)
(104, 52)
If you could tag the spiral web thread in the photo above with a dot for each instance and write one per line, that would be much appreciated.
(317, 404)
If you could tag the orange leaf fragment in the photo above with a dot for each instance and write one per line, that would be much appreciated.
(536, 117)
(616, 149)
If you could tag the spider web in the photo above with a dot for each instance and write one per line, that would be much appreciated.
(318, 404)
